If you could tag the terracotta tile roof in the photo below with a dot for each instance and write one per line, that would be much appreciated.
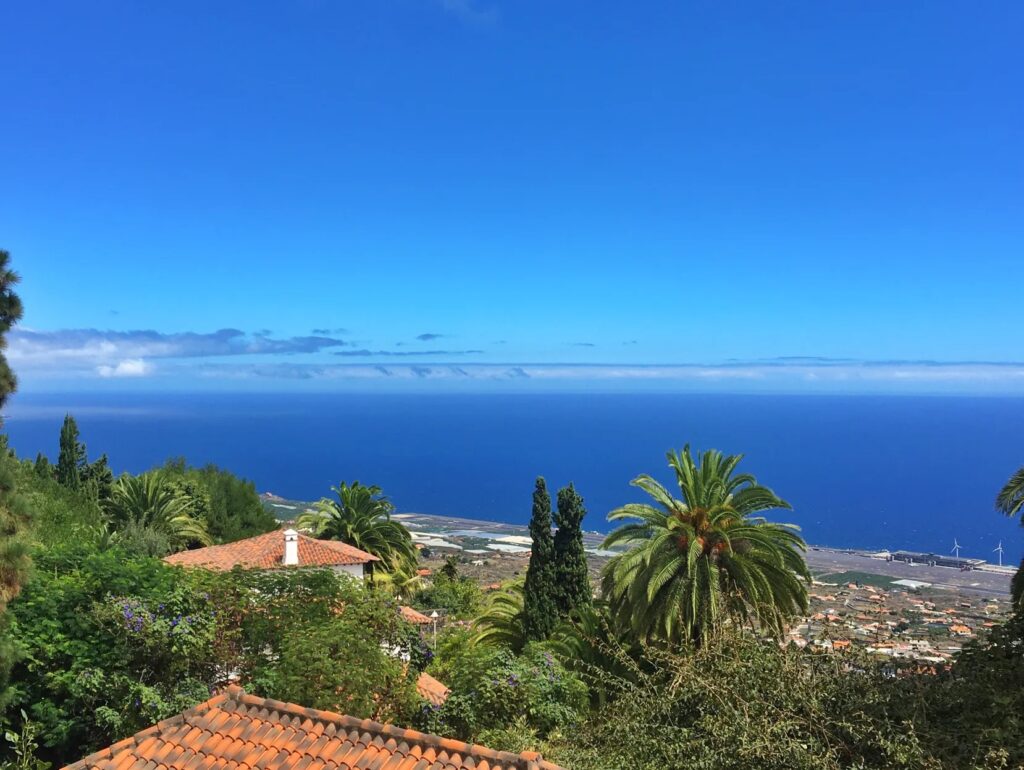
(414, 616)
(267, 552)
(431, 690)
(236, 731)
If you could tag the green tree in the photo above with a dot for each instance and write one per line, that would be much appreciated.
(111, 645)
(500, 622)
(540, 611)
(450, 568)
(340, 665)
(14, 559)
(14, 516)
(1010, 502)
(737, 703)
(72, 455)
(147, 502)
(361, 517)
(461, 597)
(97, 478)
(492, 688)
(572, 582)
(42, 466)
(10, 313)
(229, 505)
(696, 560)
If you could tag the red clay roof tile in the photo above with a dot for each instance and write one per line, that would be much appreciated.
(267, 552)
(270, 735)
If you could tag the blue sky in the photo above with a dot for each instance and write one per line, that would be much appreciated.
(482, 193)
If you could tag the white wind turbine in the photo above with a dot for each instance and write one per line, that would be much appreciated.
(999, 549)
(956, 549)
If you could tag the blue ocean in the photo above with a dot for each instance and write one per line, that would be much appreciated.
(860, 471)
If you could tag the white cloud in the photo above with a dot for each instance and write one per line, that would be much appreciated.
(131, 367)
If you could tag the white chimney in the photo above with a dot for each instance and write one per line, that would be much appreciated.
(291, 547)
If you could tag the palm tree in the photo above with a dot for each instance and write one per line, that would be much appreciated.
(146, 502)
(705, 557)
(361, 517)
(501, 622)
(1010, 501)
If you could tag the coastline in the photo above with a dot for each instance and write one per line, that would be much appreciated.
(480, 537)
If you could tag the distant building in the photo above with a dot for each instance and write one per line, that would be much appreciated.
(934, 559)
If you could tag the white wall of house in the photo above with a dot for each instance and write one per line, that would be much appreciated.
(355, 570)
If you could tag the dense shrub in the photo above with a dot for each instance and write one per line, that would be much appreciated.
(460, 597)
(229, 505)
(493, 689)
(109, 643)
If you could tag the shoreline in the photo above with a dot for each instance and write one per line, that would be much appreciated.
(482, 536)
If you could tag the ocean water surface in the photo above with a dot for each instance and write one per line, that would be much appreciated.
(860, 471)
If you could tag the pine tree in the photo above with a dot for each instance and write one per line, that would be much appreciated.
(14, 561)
(572, 582)
(72, 455)
(540, 611)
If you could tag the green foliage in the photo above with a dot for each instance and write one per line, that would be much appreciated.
(361, 517)
(72, 455)
(14, 514)
(229, 505)
(110, 645)
(42, 466)
(704, 557)
(98, 480)
(973, 714)
(460, 598)
(10, 313)
(14, 518)
(450, 569)
(739, 702)
(501, 622)
(147, 502)
(572, 582)
(23, 747)
(59, 515)
(540, 610)
(492, 688)
(339, 665)
(1010, 502)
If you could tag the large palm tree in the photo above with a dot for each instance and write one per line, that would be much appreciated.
(361, 517)
(147, 502)
(704, 557)
(1010, 501)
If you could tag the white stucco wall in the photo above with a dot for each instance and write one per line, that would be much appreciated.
(355, 570)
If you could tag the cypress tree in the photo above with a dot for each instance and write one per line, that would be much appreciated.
(572, 582)
(98, 477)
(42, 466)
(72, 455)
(540, 611)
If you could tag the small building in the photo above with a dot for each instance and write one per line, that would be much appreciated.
(277, 550)
(236, 730)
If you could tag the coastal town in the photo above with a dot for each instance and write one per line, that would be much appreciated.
(896, 604)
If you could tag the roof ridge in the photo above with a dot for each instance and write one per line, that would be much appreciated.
(527, 760)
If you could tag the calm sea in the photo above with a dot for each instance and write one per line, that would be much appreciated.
(860, 471)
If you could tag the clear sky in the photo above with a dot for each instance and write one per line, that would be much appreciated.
(702, 195)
